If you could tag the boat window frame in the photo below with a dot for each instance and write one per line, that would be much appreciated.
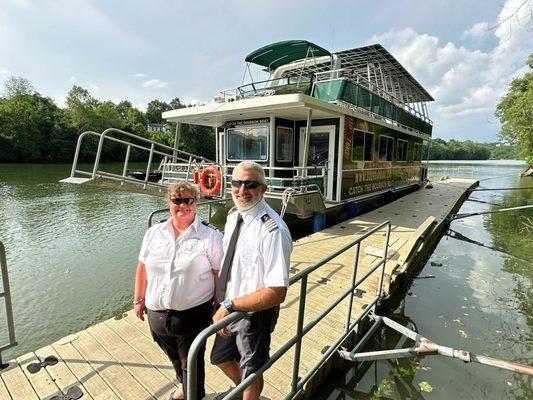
(291, 146)
(387, 153)
(404, 158)
(364, 145)
(267, 147)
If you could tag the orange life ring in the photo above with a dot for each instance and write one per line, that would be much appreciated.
(213, 171)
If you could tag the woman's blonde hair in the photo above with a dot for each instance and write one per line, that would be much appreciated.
(178, 188)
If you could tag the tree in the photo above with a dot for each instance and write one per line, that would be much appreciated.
(123, 108)
(155, 109)
(17, 86)
(515, 112)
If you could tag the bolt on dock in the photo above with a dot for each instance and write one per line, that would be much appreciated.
(117, 358)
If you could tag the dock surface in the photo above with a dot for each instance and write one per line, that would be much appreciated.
(117, 359)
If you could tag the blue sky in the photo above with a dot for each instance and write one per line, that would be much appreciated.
(464, 52)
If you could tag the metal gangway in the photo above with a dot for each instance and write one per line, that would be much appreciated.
(351, 325)
(6, 295)
(106, 178)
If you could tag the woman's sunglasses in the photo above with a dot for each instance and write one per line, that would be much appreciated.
(236, 183)
(182, 200)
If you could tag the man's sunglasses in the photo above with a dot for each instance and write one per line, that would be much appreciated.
(236, 183)
(182, 200)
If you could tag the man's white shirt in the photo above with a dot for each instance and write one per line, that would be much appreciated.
(262, 254)
(180, 272)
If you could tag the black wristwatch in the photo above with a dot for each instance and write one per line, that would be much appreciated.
(228, 305)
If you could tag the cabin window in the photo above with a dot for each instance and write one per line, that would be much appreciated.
(362, 145)
(401, 150)
(417, 156)
(386, 148)
(247, 143)
(284, 141)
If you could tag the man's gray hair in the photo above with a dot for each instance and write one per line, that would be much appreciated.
(251, 166)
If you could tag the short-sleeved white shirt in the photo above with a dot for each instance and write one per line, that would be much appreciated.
(262, 254)
(180, 272)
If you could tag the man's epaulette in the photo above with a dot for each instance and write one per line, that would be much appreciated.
(209, 225)
(270, 224)
(232, 209)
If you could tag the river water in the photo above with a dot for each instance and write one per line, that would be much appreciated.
(72, 253)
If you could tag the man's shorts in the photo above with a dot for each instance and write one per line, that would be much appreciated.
(249, 344)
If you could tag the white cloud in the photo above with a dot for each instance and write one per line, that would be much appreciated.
(154, 84)
(139, 75)
(5, 72)
(73, 79)
(464, 81)
(476, 31)
(94, 87)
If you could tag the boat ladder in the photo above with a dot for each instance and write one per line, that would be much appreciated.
(6, 295)
(423, 347)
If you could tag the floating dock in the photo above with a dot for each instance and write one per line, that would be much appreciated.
(117, 359)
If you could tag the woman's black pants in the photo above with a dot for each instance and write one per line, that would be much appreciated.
(174, 331)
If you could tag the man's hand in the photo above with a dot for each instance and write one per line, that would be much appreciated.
(221, 313)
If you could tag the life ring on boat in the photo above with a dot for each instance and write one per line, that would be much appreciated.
(210, 176)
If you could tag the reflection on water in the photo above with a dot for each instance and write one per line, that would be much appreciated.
(480, 300)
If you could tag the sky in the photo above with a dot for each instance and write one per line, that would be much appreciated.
(464, 52)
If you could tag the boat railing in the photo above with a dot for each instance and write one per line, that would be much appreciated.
(207, 203)
(359, 80)
(452, 172)
(301, 278)
(6, 295)
(268, 87)
(129, 141)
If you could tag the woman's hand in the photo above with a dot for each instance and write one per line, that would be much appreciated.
(140, 310)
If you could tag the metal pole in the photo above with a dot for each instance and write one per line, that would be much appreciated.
(125, 169)
(354, 275)
(299, 329)
(149, 165)
(306, 141)
(7, 298)
(380, 287)
(177, 135)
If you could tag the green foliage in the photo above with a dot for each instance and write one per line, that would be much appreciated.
(468, 150)
(515, 112)
(34, 129)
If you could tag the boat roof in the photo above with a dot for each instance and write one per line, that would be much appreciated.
(277, 54)
(379, 66)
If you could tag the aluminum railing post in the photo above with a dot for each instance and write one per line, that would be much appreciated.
(354, 275)
(7, 299)
(149, 165)
(299, 329)
(126, 161)
(385, 251)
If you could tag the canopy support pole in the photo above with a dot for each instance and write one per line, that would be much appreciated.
(306, 141)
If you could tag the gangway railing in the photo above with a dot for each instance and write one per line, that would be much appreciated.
(6, 295)
(152, 147)
(297, 382)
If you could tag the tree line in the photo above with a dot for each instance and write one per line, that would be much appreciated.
(468, 150)
(33, 129)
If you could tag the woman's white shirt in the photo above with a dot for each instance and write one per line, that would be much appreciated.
(180, 272)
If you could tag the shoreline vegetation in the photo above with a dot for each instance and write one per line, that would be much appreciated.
(33, 129)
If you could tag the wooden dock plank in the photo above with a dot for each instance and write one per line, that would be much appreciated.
(141, 369)
(114, 374)
(41, 381)
(4, 393)
(60, 373)
(91, 381)
(16, 382)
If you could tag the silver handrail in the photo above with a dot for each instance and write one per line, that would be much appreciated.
(6, 295)
(298, 383)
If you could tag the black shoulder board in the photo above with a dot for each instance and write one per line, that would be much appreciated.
(270, 225)
(209, 225)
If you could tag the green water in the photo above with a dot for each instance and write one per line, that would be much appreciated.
(72, 253)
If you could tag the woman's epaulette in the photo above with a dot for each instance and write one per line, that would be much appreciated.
(209, 225)
(270, 224)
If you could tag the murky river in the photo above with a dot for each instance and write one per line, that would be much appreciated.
(72, 254)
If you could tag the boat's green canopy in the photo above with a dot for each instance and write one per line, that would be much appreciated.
(277, 54)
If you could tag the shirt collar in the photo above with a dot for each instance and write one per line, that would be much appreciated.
(253, 212)
(195, 224)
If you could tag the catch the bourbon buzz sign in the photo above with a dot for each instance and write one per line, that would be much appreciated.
(246, 122)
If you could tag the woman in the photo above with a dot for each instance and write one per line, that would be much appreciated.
(175, 281)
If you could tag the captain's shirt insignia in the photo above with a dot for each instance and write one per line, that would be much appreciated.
(270, 225)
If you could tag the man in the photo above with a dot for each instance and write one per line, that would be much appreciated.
(254, 278)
